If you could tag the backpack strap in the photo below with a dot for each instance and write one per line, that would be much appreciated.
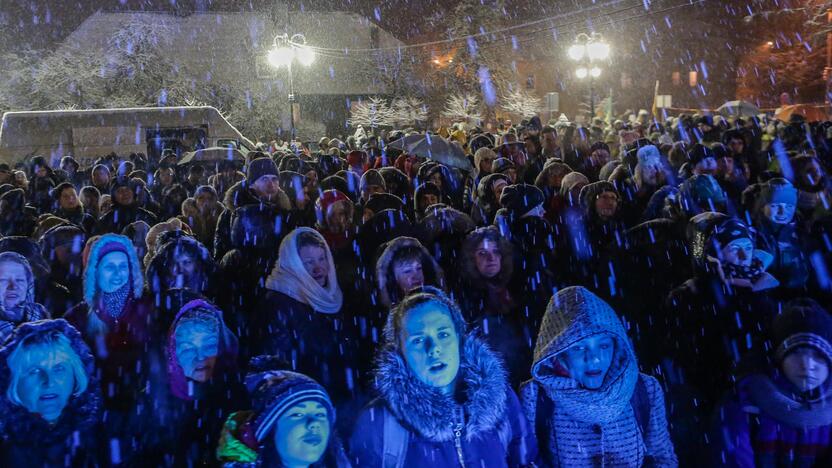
(640, 402)
(395, 441)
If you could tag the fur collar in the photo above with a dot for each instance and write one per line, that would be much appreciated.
(430, 413)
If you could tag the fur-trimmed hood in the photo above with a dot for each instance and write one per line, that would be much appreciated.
(385, 280)
(430, 413)
(81, 413)
(94, 257)
(167, 245)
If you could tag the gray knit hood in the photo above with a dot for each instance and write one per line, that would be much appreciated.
(574, 313)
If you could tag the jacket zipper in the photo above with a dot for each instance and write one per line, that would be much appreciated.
(458, 425)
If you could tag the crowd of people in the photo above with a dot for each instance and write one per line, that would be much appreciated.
(643, 292)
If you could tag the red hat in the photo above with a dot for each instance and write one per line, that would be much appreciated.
(329, 198)
(356, 157)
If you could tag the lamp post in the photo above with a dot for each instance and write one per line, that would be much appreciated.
(586, 50)
(285, 50)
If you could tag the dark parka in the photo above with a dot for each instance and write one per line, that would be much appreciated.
(482, 426)
(28, 439)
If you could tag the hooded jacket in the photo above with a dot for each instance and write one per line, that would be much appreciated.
(492, 432)
(388, 289)
(118, 343)
(27, 310)
(167, 246)
(187, 415)
(28, 439)
(588, 427)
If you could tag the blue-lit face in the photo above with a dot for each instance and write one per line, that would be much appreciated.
(45, 382)
(197, 347)
(302, 434)
(779, 213)
(113, 272)
(589, 360)
(430, 345)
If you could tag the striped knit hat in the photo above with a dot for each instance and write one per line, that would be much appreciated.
(275, 391)
(803, 323)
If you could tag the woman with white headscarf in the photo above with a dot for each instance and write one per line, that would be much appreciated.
(299, 317)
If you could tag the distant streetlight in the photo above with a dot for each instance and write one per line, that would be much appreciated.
(585, 50)
(285, 50)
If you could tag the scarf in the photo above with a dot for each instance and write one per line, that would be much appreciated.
(772, 397)
(113, 303)
(751, 272)
(290, 277)
(599, 406)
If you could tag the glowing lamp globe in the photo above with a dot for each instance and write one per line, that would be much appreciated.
(598, 50)
(281, 56)
(576, 51)
(305, 55)
(581, 73)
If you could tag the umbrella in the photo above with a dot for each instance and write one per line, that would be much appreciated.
(811, 112)
(215, 154)
(440, 150)
(403, 142)
(738, 108)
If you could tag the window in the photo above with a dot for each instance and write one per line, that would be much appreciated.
(677, 78)
(530, 82)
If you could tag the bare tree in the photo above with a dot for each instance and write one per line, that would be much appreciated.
(521, 103)
(372, 112)
(463, 107)
(409, 112)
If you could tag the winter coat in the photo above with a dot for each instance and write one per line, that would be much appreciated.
(189, 415)
(27, 310)
(420, 426)
(236, 197)
(78, 217)
(120, 344)
(29, 440)
(119, 217)
(491, 308)
(767, 424)
(577, 426)
(317, 344)
(782, 241)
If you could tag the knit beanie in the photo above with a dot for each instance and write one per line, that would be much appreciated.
(599, 145)
(273, 392)
(519, 199)
(329, 198)
(701, 188)
(777, 190)
(803, 323)
(727, 231)
(372, 177)
(260, 167)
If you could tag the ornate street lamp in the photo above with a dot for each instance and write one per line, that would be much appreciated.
(586, 50)
(285, 50)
